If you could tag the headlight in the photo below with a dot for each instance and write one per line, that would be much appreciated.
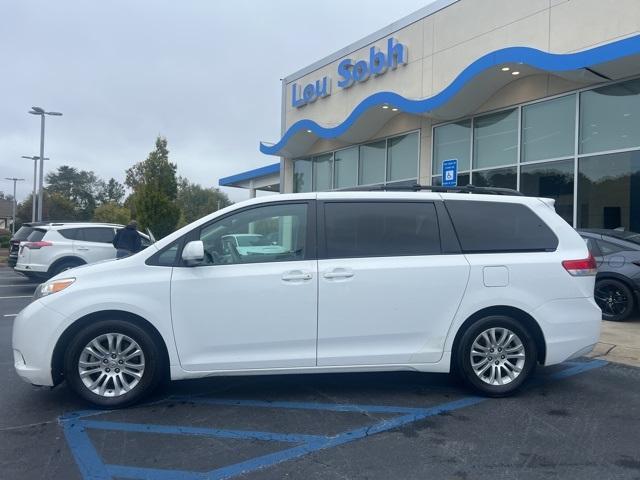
(52, 287)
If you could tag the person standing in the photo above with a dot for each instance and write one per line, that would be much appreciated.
(127, 240)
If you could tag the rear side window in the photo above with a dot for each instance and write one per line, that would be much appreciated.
(100, 235)
(71, 233)
(36, 235)
(380, 229)
(493, 227)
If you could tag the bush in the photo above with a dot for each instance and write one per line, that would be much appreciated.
(4, 241)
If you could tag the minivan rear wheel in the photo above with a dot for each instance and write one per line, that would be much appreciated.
(113, 363)
(496, 355)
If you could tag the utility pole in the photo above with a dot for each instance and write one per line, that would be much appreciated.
(13, 215)
(34, 196)
(40, 111)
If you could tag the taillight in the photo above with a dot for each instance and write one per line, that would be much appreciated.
(37, 245)
(581, 268)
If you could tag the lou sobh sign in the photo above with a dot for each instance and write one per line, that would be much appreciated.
(351, 73)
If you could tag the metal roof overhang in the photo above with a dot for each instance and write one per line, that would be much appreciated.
(263, 178)
(471, 88)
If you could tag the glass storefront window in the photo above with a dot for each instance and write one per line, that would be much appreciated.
(372, 163)
(609, 191)
(551, 180)
(463, 179)
(497, 177)
(322, 172)
(610, 117)
(548, 129)
(345, 168)
(302, 175)
(452, 141)
(403, 154)
(495, 139)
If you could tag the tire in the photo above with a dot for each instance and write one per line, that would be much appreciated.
(64, 265)
(513, 371)
(141, 372)
(615, 299)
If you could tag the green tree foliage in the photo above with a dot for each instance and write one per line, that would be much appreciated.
(111, 212)
(80, 187)
(155, 188)
(55, 208)
(196, 201)
(111, 192)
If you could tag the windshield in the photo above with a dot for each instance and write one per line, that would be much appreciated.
(36, 235)
(632, 237)
(249, 240)
(22, 233)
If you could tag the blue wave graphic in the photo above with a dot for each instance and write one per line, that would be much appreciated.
(526, 55)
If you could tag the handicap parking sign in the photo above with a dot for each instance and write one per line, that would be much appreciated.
(450, 173)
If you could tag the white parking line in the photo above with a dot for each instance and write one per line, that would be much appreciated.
(17, 285)
(18, 296)
(11, 315)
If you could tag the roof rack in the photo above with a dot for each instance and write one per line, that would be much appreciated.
(436, 188)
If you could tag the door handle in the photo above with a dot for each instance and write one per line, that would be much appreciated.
(296, 275)
(338, 273)
(83, 249)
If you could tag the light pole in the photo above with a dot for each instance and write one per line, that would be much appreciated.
(35, 178)
(40, 111)
(13, 215)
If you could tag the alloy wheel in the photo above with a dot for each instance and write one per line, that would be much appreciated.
(111, 365)
(611, 299)
(497, 356)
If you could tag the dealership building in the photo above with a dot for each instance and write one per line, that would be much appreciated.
(542, 96)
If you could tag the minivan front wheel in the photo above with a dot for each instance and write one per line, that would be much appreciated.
(496, 355)
(113, 363)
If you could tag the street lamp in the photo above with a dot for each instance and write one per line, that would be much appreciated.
(35, 159)
(13, 215)
(40, 111)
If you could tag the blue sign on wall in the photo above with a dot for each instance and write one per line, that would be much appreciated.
(450, 173)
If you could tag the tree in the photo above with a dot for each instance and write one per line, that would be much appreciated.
(111, 212)
(196, 201)
(111, 192)
(55, 208)
(79, 187)
(155, 188)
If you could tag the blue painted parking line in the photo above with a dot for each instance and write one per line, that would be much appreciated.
(92, 466)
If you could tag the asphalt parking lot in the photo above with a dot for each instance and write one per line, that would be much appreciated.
(576, 420)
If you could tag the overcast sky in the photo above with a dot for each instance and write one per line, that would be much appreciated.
(205, 74)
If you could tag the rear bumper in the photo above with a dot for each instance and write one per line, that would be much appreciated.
(571, 328)
(34, 268)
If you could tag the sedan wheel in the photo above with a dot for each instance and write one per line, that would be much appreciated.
(614, 298)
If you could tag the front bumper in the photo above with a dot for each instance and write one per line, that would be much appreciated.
(35, 332)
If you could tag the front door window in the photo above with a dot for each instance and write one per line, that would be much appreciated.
(274, 233)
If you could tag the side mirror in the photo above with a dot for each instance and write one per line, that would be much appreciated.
(193, 253)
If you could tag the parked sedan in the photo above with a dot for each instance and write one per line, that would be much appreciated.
(617, 254)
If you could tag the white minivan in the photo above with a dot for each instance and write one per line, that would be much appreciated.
(485, 285)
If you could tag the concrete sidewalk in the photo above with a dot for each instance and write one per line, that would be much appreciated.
(619, 342)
